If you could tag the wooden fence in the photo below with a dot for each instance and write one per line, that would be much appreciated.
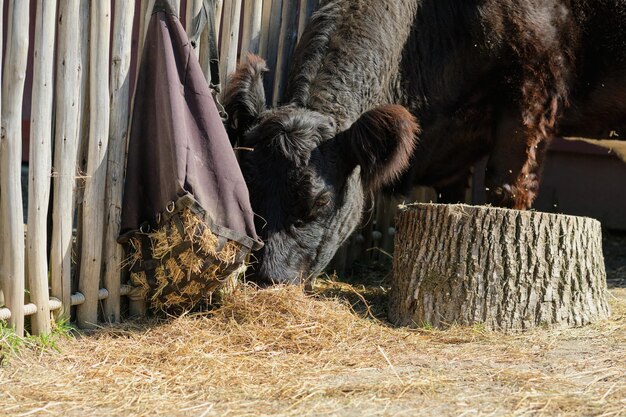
(83, 69)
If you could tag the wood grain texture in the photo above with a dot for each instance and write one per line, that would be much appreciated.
(93, 204)
(11, 214)
(507, 269)
(40, 164)
(118, 134)
(69, 76)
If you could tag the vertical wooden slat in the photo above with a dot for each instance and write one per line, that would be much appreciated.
(307, 7)
(230, 37)
(83, 133)
(67, 127)
(176, 4)
(137, 303)
(219, 6)
(144, 19)
(250, 36)
(266, 16)
(286, 43)
(271, 50)
(11, 161)
(93, 204)
(3, 280)
(193, 9)
(118, 132)
(40, 164)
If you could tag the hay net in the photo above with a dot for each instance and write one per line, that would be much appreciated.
(180, 264)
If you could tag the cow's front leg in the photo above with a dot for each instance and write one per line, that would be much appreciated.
(514, 166)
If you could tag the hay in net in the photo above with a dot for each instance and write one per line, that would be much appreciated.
(182, 263)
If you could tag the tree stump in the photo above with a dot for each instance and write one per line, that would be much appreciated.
(507, 269)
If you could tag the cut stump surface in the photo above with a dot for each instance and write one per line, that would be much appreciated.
(506, 269)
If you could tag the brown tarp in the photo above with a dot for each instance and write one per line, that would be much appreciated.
(179, 153)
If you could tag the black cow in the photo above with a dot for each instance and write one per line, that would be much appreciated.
(478, 77)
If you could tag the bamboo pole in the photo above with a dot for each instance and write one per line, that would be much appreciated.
(118, 133)
(286, 43)
(251, 35)
(93, 205)
(230, 37)
(40, 162)
(11, 158)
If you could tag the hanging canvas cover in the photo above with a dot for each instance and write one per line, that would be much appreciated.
(186, 217)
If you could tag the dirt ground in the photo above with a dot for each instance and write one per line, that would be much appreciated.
(282, 352)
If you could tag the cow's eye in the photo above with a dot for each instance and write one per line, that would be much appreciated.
(322, 200)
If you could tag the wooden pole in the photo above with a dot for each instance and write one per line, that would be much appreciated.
(230, 37)
(176, 4)
(11, 161)
(251, 34)
(271, 42)
(193, 9)
(83, 134)
(219, 6)
(286, 44)
(3, 279)
(40, 162)
(266, 16)
(307, 7)
(118, 133)
(93, 205)
(137, 303)
(505, 269)
(67, 129)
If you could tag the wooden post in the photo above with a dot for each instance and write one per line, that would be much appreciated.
(264, 36)
(137, 303)
(176, 4)
(250, 36)
(3, 279)
(505, 269)
(219, 6)
(67, 128)
(230, 37)
(11, 161)
(307, 7)
(40, 162)
(144, 20)
(272, 37)
(118, 133)
(93, 205)
(286, 44)
(83, 134)
(193, 9)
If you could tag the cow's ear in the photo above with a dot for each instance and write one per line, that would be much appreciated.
(244, 97)
(381, 141)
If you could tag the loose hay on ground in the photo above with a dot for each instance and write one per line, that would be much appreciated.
(281, 352)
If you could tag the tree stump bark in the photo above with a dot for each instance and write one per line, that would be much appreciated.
(507, 269)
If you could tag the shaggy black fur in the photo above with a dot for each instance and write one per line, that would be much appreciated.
(495, 78)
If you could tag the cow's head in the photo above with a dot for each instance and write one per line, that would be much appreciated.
(307, 180)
